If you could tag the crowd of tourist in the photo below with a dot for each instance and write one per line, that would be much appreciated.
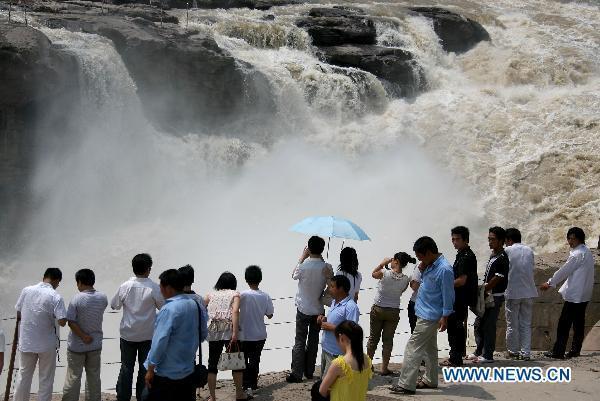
(163, 324)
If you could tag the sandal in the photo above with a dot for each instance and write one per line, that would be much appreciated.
(421, 384)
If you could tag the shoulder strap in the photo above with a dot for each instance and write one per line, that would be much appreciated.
(199, 330)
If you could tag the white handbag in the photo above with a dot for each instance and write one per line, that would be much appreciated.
(232, 360)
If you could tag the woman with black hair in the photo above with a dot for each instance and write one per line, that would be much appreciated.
(223, 306)
(385, 313)
(348, 377)
(349, 267)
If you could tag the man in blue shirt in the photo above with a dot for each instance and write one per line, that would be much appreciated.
(432, 307)
(342, 308)
(172, 357)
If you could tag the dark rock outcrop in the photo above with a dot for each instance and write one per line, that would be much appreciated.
(32, 74)
(338, 26)
(347, 37)
(396, 68)
(457, 33)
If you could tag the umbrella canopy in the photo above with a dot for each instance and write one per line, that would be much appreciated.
(330, 226)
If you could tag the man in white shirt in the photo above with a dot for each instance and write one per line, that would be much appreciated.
(312, 273)
(519, 295)
(139, 297)
(39, 308)
(254, 306)
(577, 290)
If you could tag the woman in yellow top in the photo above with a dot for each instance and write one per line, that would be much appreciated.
(348, 377)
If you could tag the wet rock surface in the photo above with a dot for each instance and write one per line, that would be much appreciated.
(396, 68)
(457, 33)
(339, 26)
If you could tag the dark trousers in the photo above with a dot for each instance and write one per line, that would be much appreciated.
(165, 389)
(457, 336)
(572, 314)
(215, 349)
(485, 329)
(129, 351)
(252, 351)
(306, 345)
(412, 317)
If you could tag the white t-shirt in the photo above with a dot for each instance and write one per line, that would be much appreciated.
(416, 276)
(520, 272)
(254, 306)
(40, 306)
(354, 282)
(312, 276)
(390, 289)
(139, 298)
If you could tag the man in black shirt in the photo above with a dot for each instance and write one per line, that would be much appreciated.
(495, 284)
(465, 290)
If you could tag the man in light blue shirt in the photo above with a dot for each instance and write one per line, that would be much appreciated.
(172, 357)
(432, 307)
(342, 308)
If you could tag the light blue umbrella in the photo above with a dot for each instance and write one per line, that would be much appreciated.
(330, 226)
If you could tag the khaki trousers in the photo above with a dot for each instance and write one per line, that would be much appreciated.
(384, 322)
(47, 367)
(326, 360)
(422, 346)
(77, 361)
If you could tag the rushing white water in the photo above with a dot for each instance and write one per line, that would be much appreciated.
(508, 133)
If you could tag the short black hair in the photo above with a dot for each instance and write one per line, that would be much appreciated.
(424, 244)
(316, 245)
(187, 275)
(85, 277)
(141, 263)
(171, 278)
(578, 233)
(499, 232)
(462, 231)
(53, 273)
(342, 282)
(253, 275)
(226, 281)
(513, 234)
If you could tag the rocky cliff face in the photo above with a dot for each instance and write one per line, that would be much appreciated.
(32, 74)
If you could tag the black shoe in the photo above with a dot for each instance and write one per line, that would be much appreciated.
(550, 354)
(572, 354)
(309, 377)
(395, 389)
(293, 379)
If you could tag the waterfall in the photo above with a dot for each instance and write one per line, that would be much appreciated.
(507, 133)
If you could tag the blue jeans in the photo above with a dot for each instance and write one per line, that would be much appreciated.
(485, 329)
(129, 351)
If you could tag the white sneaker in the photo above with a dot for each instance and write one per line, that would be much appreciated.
(483, 360)
(472, 357)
